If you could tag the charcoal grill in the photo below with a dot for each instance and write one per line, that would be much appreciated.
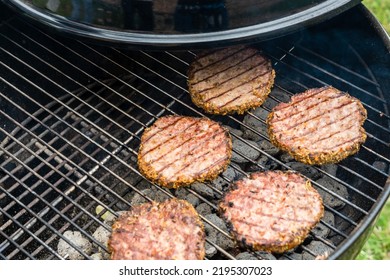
(72, 114)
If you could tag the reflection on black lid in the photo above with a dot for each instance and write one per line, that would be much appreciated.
(173, 16)
(193, 16)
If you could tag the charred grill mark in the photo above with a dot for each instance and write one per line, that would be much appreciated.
(230, 101)
(258, 216)
(170, 151)
(248, 241)
(213, 164)
(317, 127)
(273, 203)
(279, 227)
(241, 95)
(189, 151)
(166, 165)
(200, 92)
(235, 78)
(236, 86)
(320, 132)
(343, 143)
(277, 218)
(254, 225)
(232, 66)
(213, 52)
(162, 128)
(305, 109)
(330, 111)
(178, 133)
(320, 90)
(167, 230)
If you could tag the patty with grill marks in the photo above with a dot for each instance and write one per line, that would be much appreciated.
(230, 80)
(178, 150)
(169, 230)
(318, 126)
(271, 211)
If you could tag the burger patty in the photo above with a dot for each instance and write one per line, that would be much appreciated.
(231, 80)
(318, 126)
(177, 151)
(271, 211)
(170, 230)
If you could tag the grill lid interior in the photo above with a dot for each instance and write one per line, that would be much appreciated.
(178, 23)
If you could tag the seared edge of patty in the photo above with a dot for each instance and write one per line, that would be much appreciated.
(274, 237)
(167, 230)
(209, 173)
(246, 91)
(307, 155)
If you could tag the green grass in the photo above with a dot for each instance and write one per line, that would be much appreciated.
(377, 246)
(381, 9)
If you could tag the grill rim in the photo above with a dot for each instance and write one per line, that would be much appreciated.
(350, 247)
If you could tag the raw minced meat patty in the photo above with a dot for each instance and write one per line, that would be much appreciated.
(170, 230)
(318, 126)
(271, 211)
(177, 150)
(230, 80)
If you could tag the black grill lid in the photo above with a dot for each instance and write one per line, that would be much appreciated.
(172, 23)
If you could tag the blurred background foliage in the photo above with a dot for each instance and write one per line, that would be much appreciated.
(377, 246)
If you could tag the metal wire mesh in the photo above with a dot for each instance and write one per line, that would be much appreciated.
(72, 115)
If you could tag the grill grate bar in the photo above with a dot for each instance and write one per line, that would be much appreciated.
(11, 241)
(164, 64)
(325, 189)
(223, 232)
(50, 206)
(89, 62)
(323, 84)
(326, 242)
(373, 82)
(96, 80)
(322, 70)
(101, 121)
(118, 159)
(66, 177)
(178, 59)
(25, 228)
(313, 182)
(319, 169)
(334, 229)
(374, 169)
(252, 115)
(57, 135)
(23, 124)
(381, 157)
(367, 120)
(54, 203)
